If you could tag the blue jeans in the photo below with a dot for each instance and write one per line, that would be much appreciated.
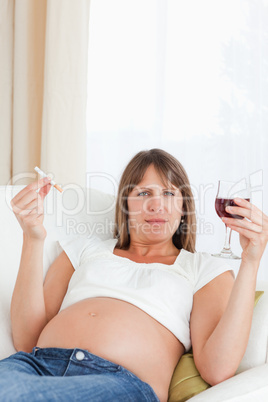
(55, 374)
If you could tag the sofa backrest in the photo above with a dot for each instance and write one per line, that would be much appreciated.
(76, 211)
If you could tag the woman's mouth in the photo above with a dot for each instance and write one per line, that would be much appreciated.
(157, 221)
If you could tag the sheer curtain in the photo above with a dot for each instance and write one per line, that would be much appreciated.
(43, 79)
(189, 77)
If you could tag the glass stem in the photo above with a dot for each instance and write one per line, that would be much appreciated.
(227, 241)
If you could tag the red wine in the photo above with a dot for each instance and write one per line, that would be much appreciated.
(222, 203)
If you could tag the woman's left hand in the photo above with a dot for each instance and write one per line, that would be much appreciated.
(253, 230)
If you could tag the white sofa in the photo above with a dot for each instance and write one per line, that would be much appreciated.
(79, 212)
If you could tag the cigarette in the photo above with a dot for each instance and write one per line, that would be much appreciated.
(43, 174)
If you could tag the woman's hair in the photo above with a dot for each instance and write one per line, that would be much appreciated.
(171, 171)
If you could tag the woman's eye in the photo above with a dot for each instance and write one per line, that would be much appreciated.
(143, 192)
(169, 193)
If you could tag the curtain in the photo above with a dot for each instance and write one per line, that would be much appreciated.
(43, 80)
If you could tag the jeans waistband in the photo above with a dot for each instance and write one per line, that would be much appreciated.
(76, 354)
(53, 352)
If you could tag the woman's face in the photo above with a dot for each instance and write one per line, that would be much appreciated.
(154, 210)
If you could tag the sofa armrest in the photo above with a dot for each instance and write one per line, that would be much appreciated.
(251, 385)
(256, 352)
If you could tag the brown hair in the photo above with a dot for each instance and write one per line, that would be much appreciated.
(171, 171)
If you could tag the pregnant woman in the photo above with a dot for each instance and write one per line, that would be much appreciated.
(112, 318)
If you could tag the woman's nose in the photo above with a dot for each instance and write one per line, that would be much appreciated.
(155, 204)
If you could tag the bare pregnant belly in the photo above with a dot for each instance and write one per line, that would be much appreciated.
(120, 332)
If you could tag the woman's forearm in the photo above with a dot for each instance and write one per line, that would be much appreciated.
(28, 314)
(227, 344)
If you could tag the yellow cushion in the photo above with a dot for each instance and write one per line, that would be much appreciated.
(186, 380)
(258, 295)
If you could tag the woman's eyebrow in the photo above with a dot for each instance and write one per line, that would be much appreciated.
(148, 188)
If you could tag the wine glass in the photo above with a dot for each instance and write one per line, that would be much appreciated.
(227, 191)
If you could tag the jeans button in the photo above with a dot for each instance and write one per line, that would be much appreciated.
(80, 355)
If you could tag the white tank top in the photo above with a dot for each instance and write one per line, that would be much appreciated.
(165, 292)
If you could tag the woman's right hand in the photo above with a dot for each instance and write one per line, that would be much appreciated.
(28, 207)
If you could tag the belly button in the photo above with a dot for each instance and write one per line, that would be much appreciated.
(92, 314)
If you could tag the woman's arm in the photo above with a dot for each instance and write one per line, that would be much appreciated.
(222, 310)
(56, 284)
(28, 315)
(28, 305)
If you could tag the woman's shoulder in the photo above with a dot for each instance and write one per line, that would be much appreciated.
(201, 257)
(80, 248)
(79, 241)
(201, 267)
